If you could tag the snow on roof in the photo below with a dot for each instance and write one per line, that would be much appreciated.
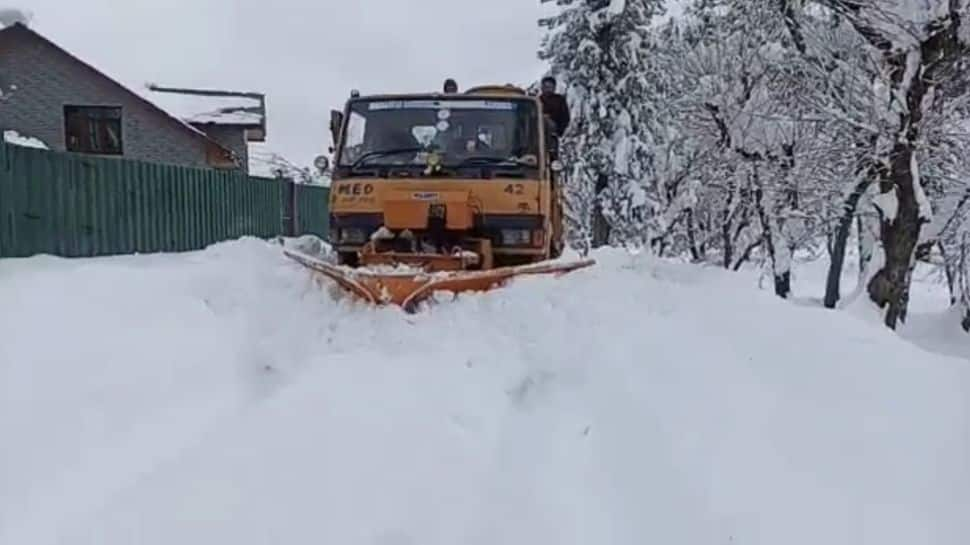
(19, 24)
(12, 16)
(17, 139)
(219, 110)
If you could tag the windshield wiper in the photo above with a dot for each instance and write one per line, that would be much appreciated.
(489, 160)
(384, 152)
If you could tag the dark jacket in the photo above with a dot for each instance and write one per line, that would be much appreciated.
(555, 106)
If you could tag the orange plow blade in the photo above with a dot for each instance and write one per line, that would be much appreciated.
(408, 288)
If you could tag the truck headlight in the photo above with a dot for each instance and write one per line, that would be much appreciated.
(516, 237)
(538, 237)
(353, 235)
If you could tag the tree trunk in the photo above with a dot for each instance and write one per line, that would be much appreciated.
(833, 283)
(600, 227)
(889, 287)
(727, 241)
(962, 281)
(951, 275)
(695, 252)
(950, 284)
(866, 243)
(935, 59)
(783, 284)
(899, 233)
(782, 277)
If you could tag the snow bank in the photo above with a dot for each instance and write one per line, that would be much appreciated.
(220, 397)
(939, 332)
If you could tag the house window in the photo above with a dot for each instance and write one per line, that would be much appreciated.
(93, 129)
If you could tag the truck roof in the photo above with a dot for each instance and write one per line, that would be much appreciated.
(481, 91)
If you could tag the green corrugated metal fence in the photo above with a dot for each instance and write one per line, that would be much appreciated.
(312, 215)
(73, 205)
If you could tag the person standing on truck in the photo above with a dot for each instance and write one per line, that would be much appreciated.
(554, 105)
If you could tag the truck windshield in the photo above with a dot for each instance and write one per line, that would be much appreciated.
(461, 131)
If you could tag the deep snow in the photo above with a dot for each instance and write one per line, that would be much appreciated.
(220, 397)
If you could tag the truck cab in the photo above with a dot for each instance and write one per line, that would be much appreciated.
(446, 174)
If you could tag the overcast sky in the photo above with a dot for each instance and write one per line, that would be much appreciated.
(305, 55)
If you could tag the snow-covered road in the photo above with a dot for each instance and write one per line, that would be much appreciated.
(220, 397)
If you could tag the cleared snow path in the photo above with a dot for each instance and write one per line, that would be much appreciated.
(219, 397)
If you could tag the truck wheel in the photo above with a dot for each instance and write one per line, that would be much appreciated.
(347, 258)
(555, 249)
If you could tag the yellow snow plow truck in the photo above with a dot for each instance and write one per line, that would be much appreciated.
(442, 192)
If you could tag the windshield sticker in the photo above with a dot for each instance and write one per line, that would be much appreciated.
(442, 105)
(425, 196)
(444, 114)
(424, 135)
(442, 126)
(391, 105)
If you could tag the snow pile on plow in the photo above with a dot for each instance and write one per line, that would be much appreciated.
(222, 397)
(407, 285)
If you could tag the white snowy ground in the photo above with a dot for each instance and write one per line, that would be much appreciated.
(218, 397)
(931, 323)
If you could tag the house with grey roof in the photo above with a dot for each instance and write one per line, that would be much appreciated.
(50, 95)
(231, 118)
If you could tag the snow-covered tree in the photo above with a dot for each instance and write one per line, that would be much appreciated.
(263, 162)
(601, 51)
(830, 77)
(758, 130)
(738, 103)
(918, 43)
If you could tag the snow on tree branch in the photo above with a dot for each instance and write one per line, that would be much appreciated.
(749, 131)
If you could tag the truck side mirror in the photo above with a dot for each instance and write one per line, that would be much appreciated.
(336, 122)
(322, 164)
